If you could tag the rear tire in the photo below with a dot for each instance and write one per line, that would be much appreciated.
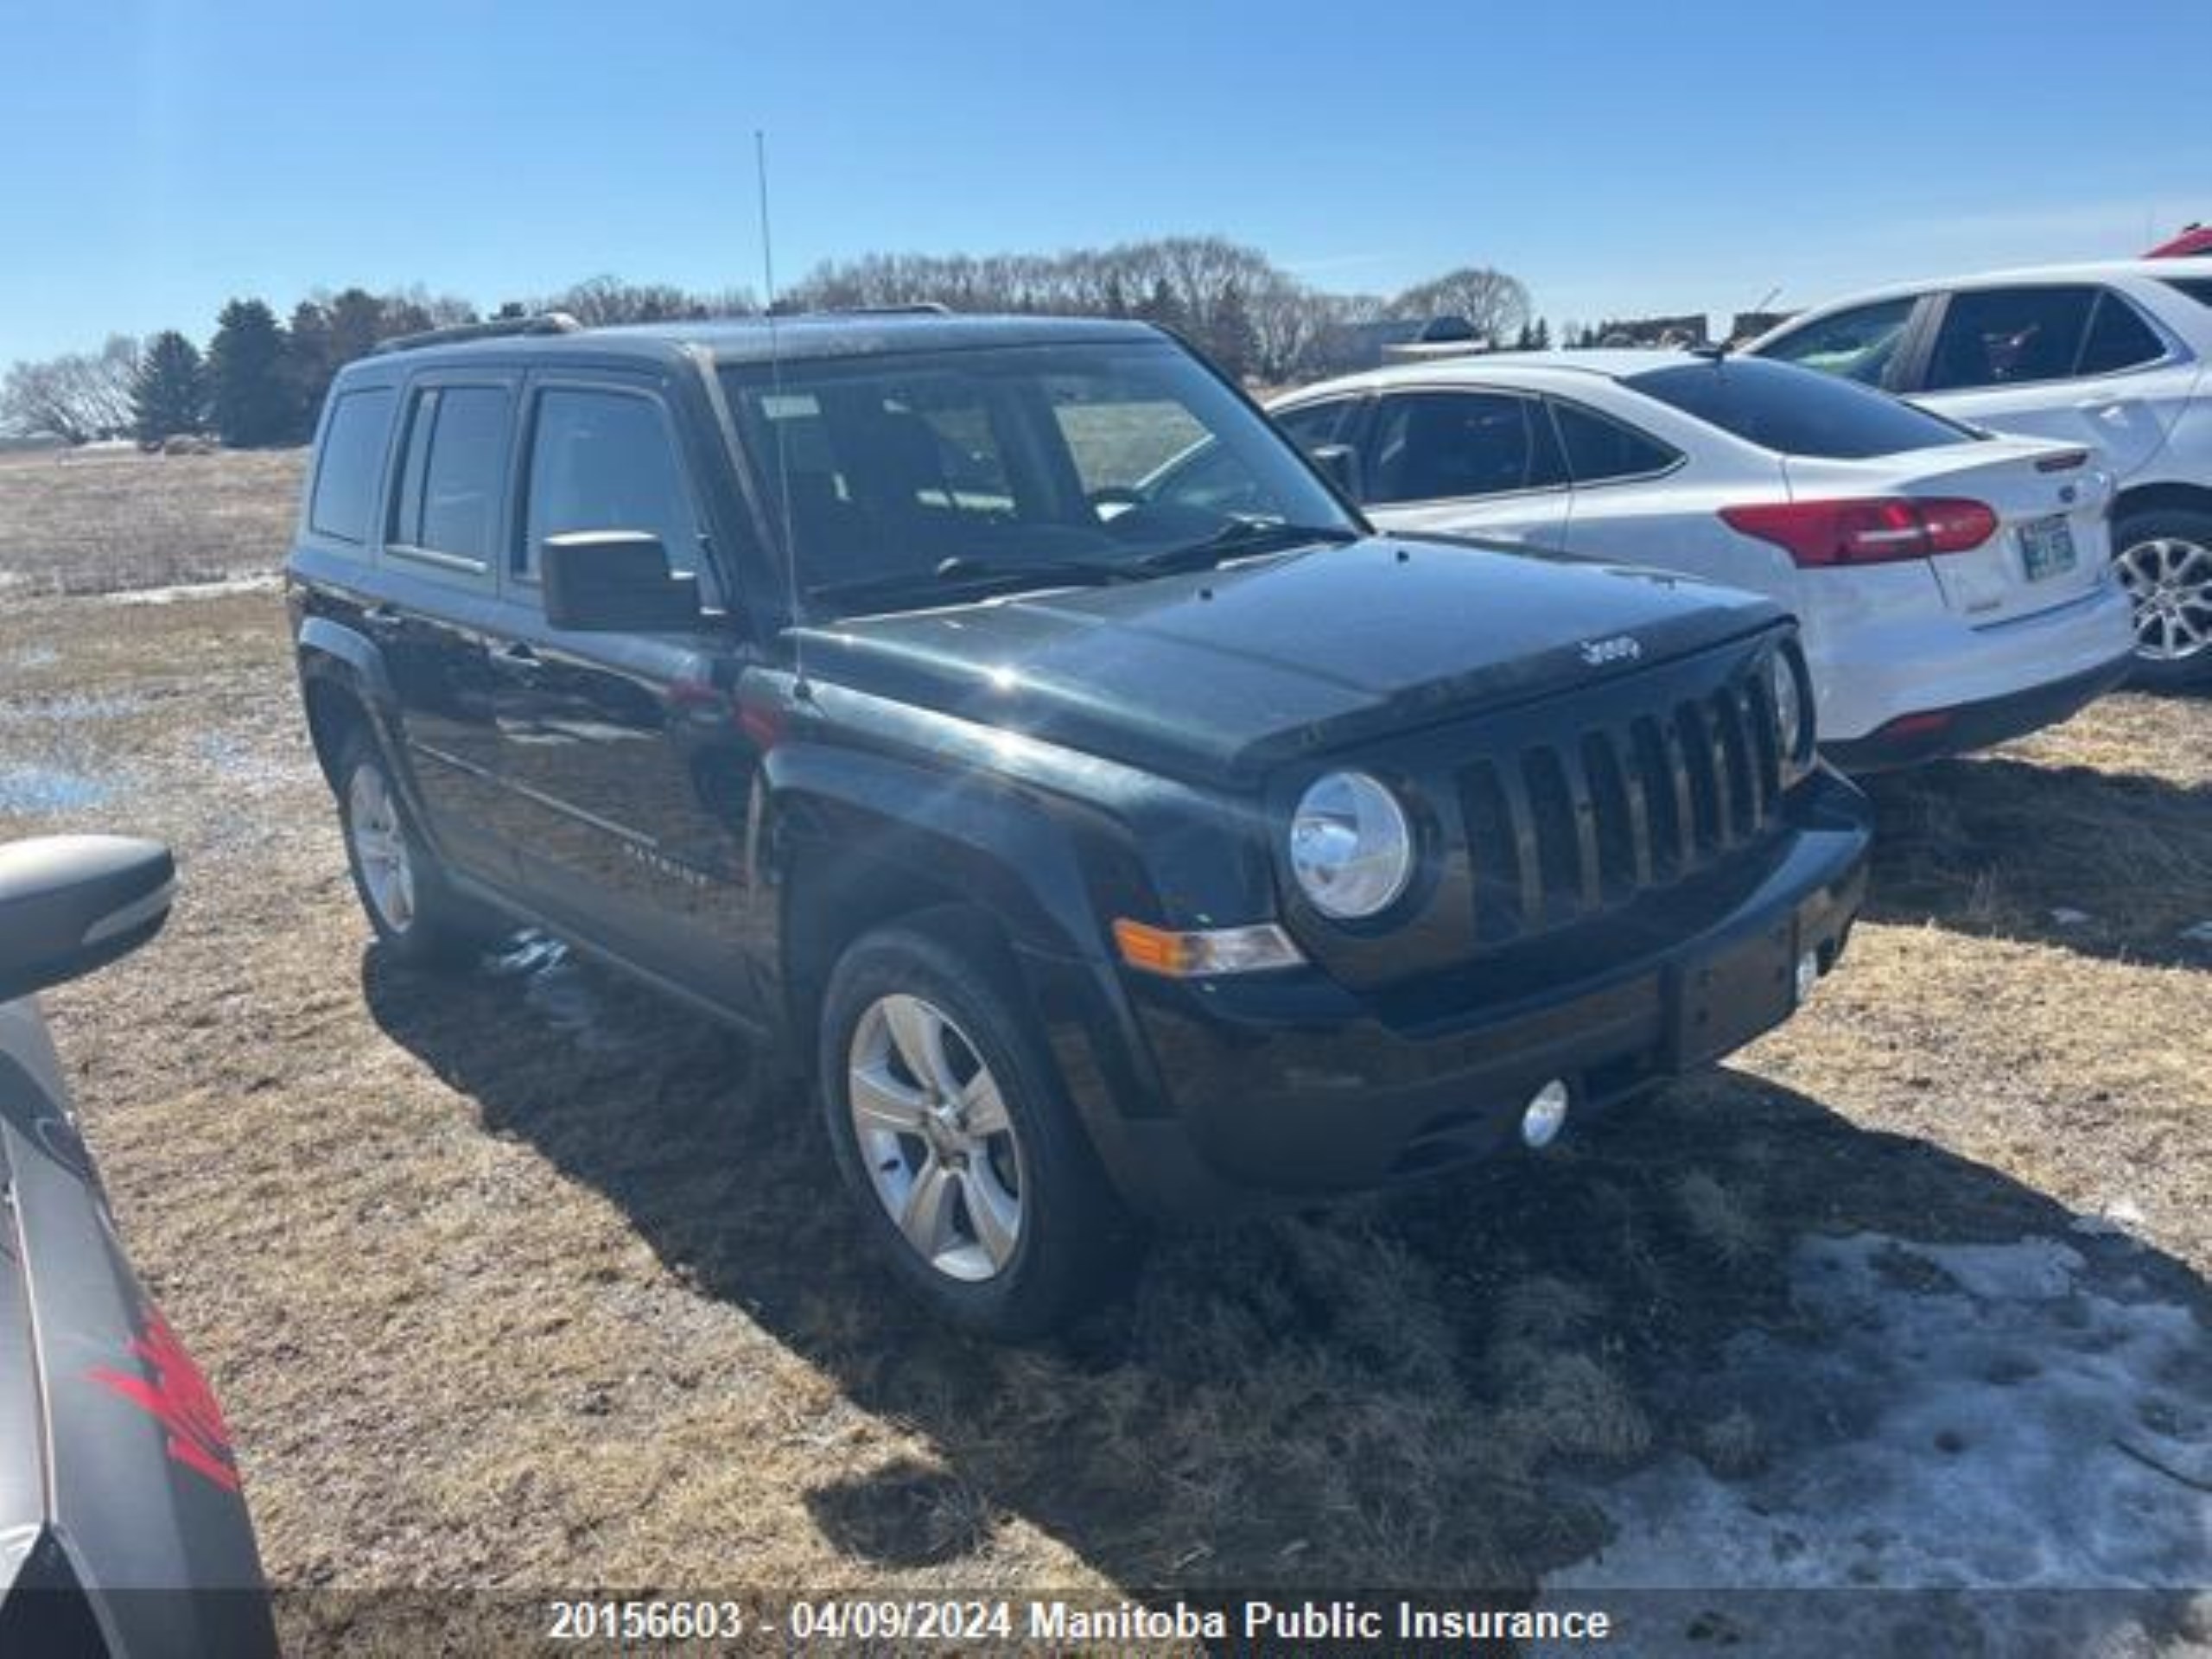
(973, 1177)
(2164, 556)
(417, 915)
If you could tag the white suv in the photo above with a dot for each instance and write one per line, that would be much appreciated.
(2113, 355)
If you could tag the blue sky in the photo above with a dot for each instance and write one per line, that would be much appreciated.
(1633, 158)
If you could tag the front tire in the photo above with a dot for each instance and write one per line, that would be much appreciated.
(417, 914)
(2163, 557)
(973, 1179)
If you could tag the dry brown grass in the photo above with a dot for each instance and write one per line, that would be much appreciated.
(97, 522)
(495, 1297)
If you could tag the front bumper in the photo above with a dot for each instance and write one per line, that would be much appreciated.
(1285, 1086)
(1932, 734)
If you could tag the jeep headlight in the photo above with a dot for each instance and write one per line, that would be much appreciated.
(1792, 699)
(1350, 847)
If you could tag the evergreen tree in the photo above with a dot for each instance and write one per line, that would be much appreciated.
(248, 392)
(308, 366)
(357, 323)
(169, 396)
(1543, 335)
(1160, 305)
(1230, 339)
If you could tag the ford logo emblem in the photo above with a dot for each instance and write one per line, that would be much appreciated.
(2065, 495)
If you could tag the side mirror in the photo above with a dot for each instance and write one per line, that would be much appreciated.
(69, 904)
(615, 582)
(1339, 464)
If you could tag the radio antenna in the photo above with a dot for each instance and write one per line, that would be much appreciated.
(775, 425)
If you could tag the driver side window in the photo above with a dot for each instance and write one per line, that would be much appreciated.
(606, 461)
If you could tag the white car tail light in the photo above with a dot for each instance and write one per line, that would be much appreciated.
(1877, 530)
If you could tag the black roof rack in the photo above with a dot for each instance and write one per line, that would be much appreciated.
(905, 308)
(545, 322)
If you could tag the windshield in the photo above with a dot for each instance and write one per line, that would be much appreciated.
(915, 480)
(1795, 411)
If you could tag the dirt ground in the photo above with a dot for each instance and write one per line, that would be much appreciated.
(505, 1280)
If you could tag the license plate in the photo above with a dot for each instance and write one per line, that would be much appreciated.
(2047, 547)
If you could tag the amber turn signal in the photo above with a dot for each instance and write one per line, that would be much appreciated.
(1207, 950)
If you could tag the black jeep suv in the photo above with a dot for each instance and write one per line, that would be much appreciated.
(1003, 718)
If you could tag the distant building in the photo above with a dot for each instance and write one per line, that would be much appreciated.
(1400, 339)
(1750, 325)
(1687, 329)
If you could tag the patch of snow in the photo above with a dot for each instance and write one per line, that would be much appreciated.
(2033, 1270)
(260, 583)
(2066, 916)
(70, 708)
(2121, 1218)
(49, 789)
(1956, 1417)
(2198, 933)
(243, 763)
(557, 988)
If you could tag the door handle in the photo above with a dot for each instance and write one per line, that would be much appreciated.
(519, 656)
(382, 618)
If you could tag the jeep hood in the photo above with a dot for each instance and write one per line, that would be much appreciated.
(1234, 670)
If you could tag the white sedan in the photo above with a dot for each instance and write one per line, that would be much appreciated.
(1955, 590)
(2115, 356)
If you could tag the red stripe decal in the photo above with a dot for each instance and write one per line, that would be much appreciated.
(177, 1396)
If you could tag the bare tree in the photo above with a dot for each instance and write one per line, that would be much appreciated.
(598, 301)
(1230, 299)
(1496, 304)
(78, 396)
(1290, 323)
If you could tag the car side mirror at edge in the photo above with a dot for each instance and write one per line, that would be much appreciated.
(615, 582)
(1339, 464)
(69, 904)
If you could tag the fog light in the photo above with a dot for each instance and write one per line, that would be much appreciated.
(1545, 1115)
(1808, 973)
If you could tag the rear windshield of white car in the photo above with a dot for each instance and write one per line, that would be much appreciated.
(1795, 411)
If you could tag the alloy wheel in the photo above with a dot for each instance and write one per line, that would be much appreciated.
(379, 841)
(936, 1138)
(2168, 578)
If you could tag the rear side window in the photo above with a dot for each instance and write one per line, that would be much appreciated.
(606, 461)
(1794, 411)
(449, 484)
(345, 498)
(1441, 446)
(2010, 336)
(1599, 450)
(1858, 344)
(2118, 338)
(2197, 288)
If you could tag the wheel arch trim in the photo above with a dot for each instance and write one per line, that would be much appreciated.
(847, 815)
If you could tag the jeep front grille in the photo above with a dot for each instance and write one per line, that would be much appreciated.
(1560, 832)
